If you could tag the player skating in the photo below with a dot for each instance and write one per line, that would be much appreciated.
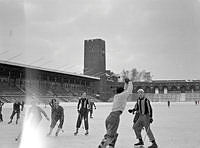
(16, 110)
(91, 106)
(143, 107)
(82, 108)
(168, 103)
(1, 116)
(112, 121)
(57, 115)
(52, 105)
(34, 116)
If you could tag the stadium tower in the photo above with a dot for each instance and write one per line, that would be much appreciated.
(94, 57)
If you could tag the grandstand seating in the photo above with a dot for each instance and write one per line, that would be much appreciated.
(5, 89)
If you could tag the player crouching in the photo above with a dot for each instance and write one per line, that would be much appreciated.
(58, 114)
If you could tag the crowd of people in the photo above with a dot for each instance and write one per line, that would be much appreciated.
(142, 119)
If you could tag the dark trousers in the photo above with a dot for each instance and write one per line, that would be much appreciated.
(1, 117)
(81, 116)
(55, 120)
(112, 123)
(143, 121)
(13, 114)
(91, 112)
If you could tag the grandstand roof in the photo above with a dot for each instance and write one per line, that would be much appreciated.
(46, 69)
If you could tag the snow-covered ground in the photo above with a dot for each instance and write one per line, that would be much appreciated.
(174, 127)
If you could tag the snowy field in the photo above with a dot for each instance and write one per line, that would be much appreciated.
(174, 127)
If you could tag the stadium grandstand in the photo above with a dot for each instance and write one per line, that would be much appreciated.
(20, 80)
(169, 90)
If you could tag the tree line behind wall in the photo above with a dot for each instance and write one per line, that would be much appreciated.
(136, 75)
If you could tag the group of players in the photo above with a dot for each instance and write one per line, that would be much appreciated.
(16, 110)
(142, 109)
(142, 119)
(35, 112)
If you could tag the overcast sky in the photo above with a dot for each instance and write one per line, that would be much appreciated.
(160, 36)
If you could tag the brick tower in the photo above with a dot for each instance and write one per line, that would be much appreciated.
(94, 57)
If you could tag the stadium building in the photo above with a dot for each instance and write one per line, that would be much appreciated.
(19, 80)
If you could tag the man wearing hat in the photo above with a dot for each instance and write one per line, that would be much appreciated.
(144, 111)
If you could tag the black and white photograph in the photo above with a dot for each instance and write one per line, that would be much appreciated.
(99, 73)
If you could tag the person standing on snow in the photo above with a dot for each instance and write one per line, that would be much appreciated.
(82, 108)
(57, 115)
(145, 118)
(113, 119)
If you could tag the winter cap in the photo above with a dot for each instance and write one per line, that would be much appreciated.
(140, 90)
(84, 95)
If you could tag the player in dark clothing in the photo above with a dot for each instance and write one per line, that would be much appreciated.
(57, 114)
(16, 110)
(52, 105)
(1, 116)
(91, 104)
(168, 103)
(82, 108)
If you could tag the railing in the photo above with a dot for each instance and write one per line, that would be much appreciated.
(176, 97)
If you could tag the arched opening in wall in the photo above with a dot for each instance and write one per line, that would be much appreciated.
(147, 89)
(165, 89)
(156, 90)
(197, 88)
(174, 88)
(183, 89)
(192, 88)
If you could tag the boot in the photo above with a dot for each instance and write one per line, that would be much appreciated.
(103, 143)
(154, 145)
(16, 121)
(76, 132)
(113, 141)
(16, 139)
(58, 130)
(140, 143)
(10, 122)
(50, 131)
(86, 133)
